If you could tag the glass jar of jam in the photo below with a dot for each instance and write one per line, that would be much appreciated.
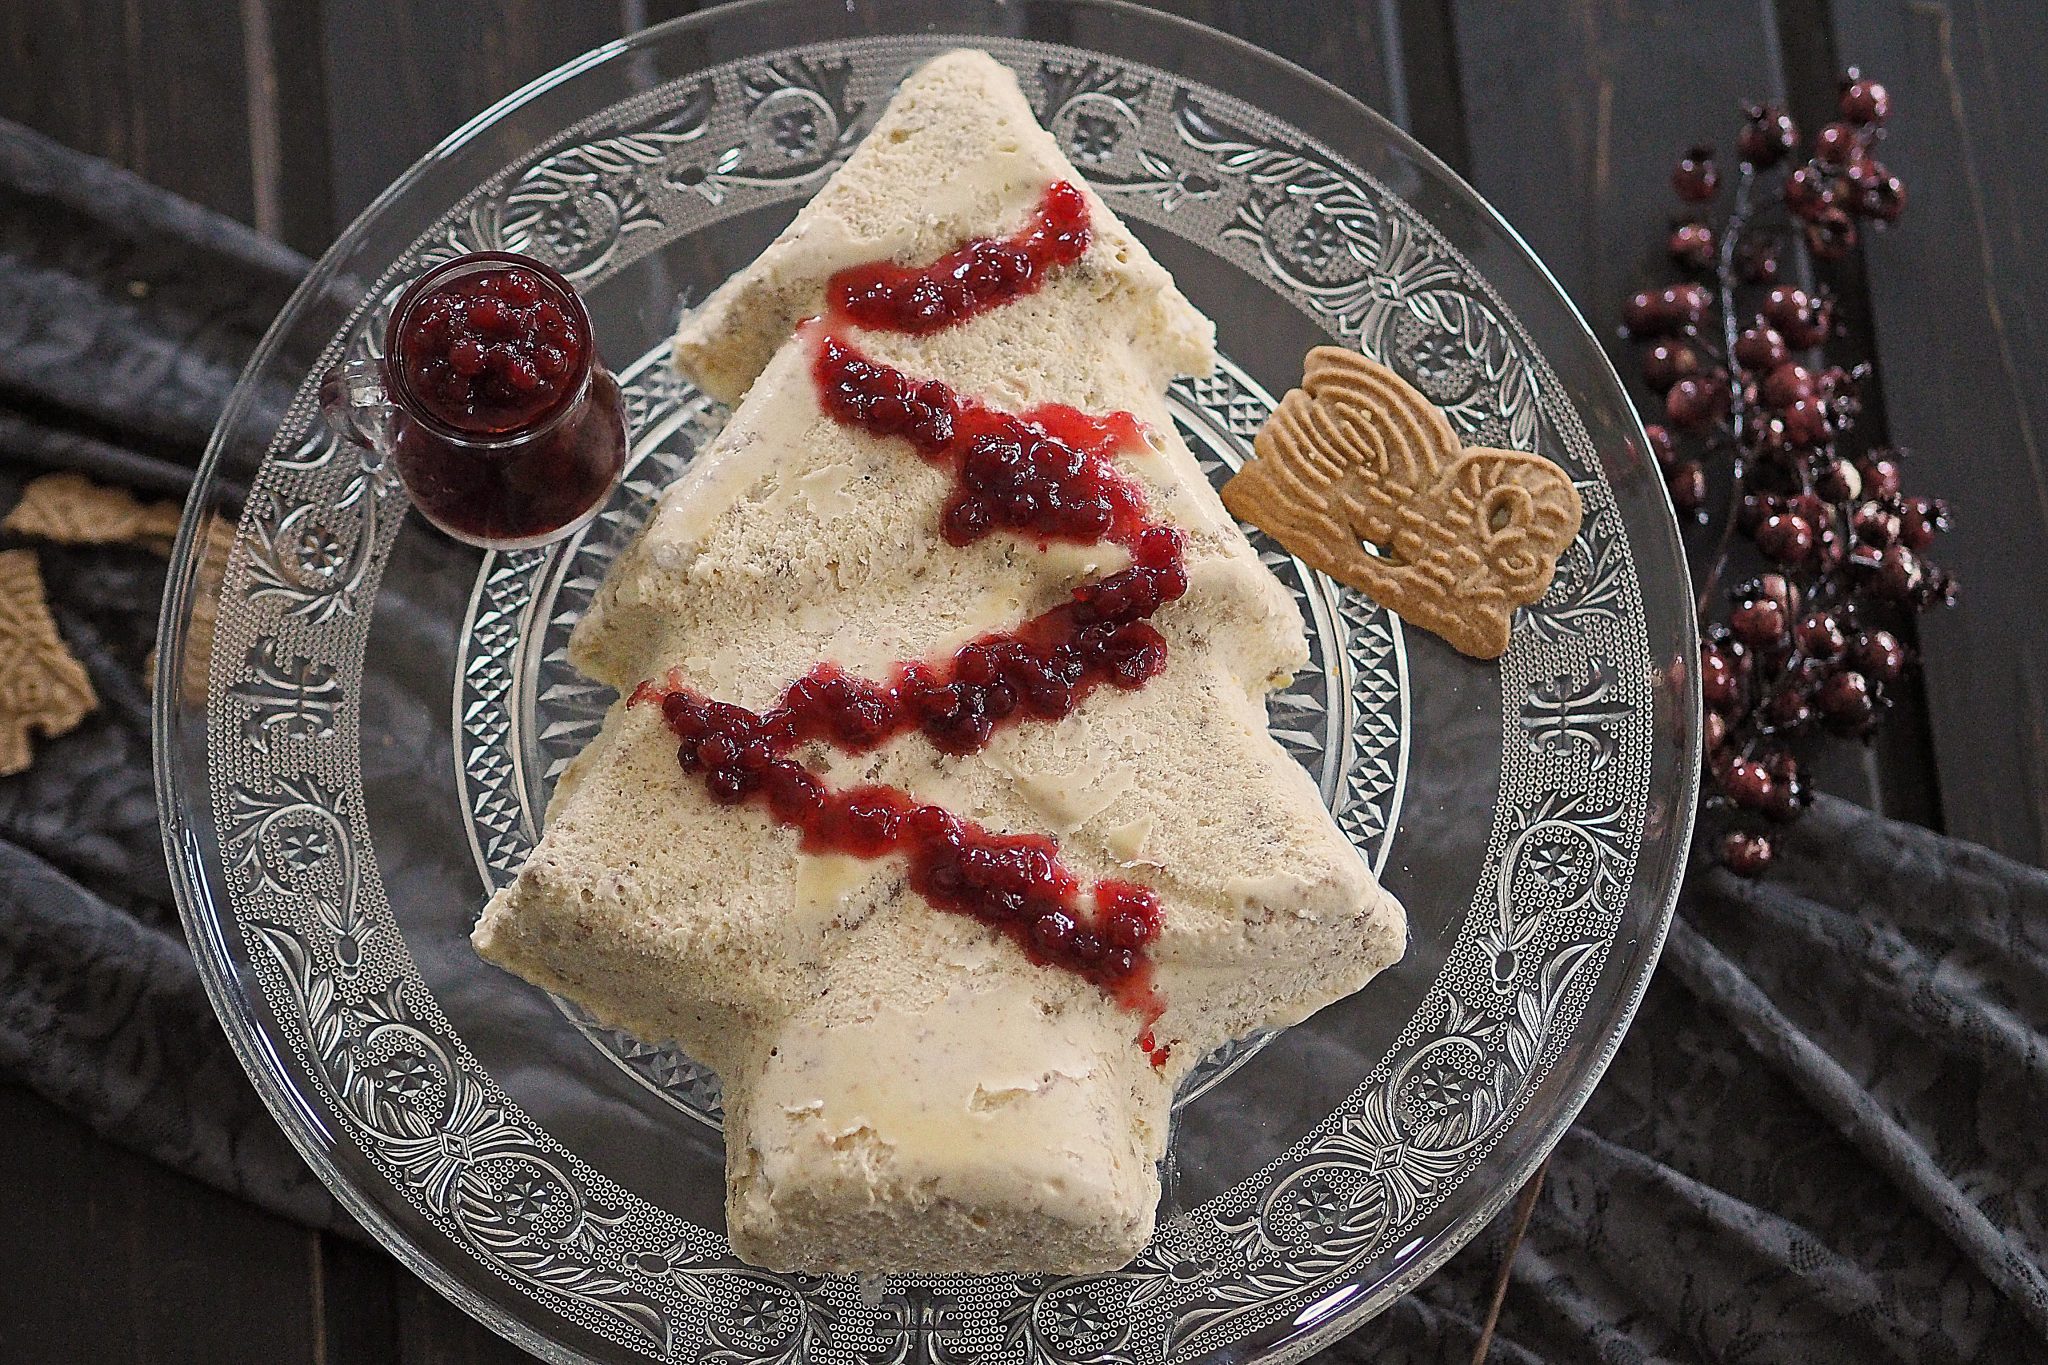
(490, 402)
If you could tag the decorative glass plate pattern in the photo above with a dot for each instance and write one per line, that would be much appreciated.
(359, 721)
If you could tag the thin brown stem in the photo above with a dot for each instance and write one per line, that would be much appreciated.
(1525, 1207)
(1738, 409)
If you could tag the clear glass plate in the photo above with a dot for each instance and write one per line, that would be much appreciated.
(359, 720)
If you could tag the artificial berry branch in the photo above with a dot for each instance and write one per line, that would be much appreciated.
(1741, 359)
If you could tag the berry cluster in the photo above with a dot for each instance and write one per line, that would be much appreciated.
(1030, 481)
(882, 400)
(1013, 882)
(1045, 473)
(1040, 672)
(490, 351)
(1738, 356)
(978, 276)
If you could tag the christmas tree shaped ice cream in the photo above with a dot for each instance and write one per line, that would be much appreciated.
(940, 815)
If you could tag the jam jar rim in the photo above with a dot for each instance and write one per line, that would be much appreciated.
(410, 297)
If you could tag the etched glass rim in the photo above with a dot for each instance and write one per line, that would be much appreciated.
(215, 957)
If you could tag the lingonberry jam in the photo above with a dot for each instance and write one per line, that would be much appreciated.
(985, 273)
(1043, 473)
(508, 431)
(1014, 883)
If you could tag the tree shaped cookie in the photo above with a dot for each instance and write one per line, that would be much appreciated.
(1466, 534)
(939, 814)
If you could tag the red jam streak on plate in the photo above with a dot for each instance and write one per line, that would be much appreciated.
(1046, 475)
(985, 273)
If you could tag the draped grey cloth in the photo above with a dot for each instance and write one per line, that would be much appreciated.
(1824, 1140)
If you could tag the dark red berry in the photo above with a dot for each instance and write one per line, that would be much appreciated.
(1760, 349)
(1747, 782)
(1692, 244)
(1786, 385)
(1831, 235)
(1743, 853)
(1667, 362)
(1802, 319)
(1788, 708)
(1899, 573)
(1696, 178)
(1785, 537)
(1673, 308)
(1880, 476)
(1819, 636)
(1659, 312)
(1760, 624)
(1714, 731)
(1661, 444)
(1768, 133)
(1808, 192)
(1921, 519)
(1838, 481)
(1835, 144)
(1846, 701)
(1720, 680)
(1691, 403)
(1806, 424)
(1879, 654)
(1863, 101)
(1687, 482)
(1641, 316)
(1885, 199)
(1875, 523)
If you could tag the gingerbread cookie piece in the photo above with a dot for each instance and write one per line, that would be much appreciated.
(71, 509)
(42, 686)
(1465, 533)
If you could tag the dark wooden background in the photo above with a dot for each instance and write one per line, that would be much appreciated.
(292, 114)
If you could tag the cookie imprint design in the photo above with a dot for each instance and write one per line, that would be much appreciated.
(71, 509)
(43, 687)
(1466, 533)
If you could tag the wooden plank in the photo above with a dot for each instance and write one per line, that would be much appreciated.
(1622, 89)
(1428, 65)
(97, 74)
(287, 95)
(356, 1302)
(1576, 109)
(1959, 294)
(1352, 46)
(109, 1256)
(1895, 772)
(402, 74)
(433, 1331)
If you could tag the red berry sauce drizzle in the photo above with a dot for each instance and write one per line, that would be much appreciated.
(1045, 474)
(985, 273)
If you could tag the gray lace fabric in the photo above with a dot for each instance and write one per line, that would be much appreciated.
(1824, 1140)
